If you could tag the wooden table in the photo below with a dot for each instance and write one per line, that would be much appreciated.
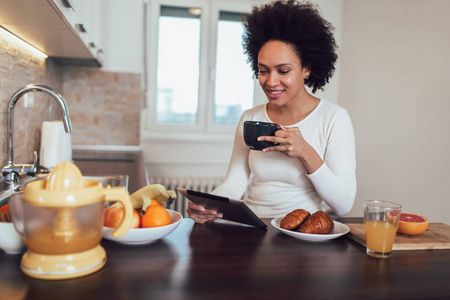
(222, 261)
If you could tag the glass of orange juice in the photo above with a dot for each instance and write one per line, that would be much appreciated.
(380, 223)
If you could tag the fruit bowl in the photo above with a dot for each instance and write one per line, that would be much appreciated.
(142, 236)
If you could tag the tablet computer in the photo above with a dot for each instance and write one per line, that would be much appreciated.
(232, 210)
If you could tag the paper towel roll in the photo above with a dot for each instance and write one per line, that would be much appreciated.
(56, 144)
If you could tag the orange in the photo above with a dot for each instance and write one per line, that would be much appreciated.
(156, 215)
(412, 224)
(155, 202)
(114, 215)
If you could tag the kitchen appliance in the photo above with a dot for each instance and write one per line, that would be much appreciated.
(61, 218)
(56, 144)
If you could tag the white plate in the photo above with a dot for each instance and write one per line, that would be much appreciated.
(141, 236)
(338, 230)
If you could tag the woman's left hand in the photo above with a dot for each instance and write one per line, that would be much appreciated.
(290, 139)
(292, 143)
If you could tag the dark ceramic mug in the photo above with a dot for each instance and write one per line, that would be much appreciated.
(255, 129)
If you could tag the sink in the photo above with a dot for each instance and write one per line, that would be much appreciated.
(112, 180)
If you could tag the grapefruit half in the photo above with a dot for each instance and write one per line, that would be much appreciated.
(412, 224)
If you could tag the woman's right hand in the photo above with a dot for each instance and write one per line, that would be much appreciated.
(200, 214)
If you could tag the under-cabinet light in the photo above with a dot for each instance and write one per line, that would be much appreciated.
(15, 40)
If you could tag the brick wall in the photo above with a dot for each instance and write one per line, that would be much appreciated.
(18, 68)
(103, 106)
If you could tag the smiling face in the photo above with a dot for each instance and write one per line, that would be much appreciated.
(281, 74)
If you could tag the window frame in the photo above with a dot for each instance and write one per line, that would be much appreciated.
(205, 129)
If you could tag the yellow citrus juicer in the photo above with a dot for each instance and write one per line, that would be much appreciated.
(61, 218)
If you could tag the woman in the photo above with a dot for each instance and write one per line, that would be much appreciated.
(289, 45)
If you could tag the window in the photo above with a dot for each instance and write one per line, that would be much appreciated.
(198, 78)
(178, 65)
(233, 91)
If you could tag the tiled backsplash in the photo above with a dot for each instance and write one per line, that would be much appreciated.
(104, 107)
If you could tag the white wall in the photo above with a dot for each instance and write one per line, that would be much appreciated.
(332, 11)
(395, 69)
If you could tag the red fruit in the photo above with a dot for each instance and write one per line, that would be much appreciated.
(412, 224)
(5, 207)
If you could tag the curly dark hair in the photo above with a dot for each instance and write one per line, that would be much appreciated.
(299, 25)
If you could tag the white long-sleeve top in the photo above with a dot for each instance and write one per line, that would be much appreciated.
(279, 184)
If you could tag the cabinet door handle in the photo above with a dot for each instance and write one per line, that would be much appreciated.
(69, 4)
(81, 27)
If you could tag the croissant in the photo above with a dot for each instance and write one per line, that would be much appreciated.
(294, 219)
(318, 223)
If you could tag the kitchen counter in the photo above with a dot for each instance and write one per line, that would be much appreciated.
(223, 261)
(107, 162)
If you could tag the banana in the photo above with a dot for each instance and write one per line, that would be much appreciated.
(143, 197)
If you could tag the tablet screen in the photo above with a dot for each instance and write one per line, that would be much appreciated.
(232, 210)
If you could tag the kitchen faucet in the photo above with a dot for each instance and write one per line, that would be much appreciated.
(14, 172)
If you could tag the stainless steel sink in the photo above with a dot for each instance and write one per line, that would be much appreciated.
(112, 180)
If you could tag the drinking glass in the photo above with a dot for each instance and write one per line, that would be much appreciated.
(380, 222)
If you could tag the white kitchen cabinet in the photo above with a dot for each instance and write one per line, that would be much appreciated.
(88, 23)
(66, 8)
(53, 26)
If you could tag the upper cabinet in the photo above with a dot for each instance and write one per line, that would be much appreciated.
(68, 31)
